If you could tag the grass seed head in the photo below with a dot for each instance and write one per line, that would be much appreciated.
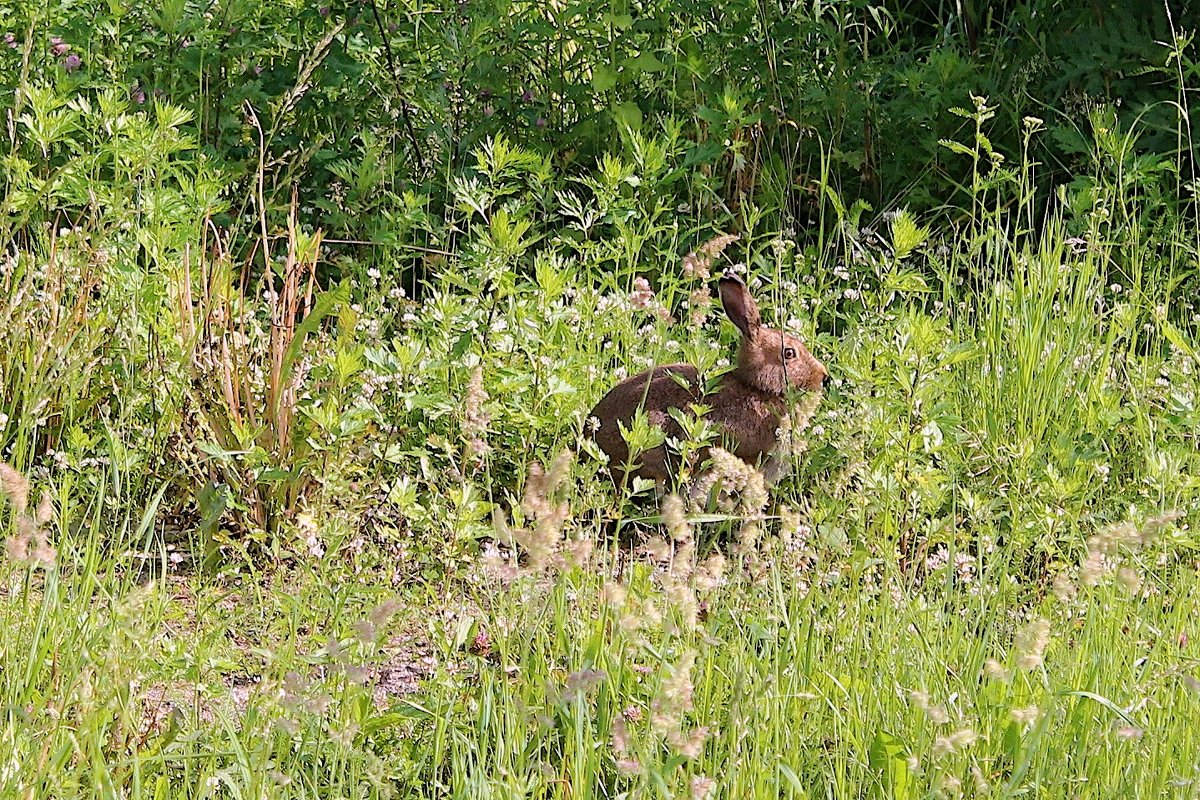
(1031, 644)
(15, 487)
(702, 787)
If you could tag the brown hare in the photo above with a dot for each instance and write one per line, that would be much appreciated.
(746, 405)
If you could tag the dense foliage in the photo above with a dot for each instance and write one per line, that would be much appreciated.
(302, 310)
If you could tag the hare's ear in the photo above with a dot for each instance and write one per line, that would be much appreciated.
(739, 305)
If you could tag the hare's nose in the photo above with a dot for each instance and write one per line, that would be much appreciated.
(826, 381)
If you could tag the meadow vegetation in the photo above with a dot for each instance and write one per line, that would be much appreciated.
(302, 310)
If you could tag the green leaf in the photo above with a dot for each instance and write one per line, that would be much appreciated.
(327, 303)
(905, 282)
(461, 345)
(220, 453)
(957, 147)
(628, 114)
(645, 62)
(889, 762)
(793, 780)
(1102, 700)
(1176, 337)
(906, 234)
(603, 78)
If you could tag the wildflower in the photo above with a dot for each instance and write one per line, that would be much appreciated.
(137, 95)
(542, 541)
(614, 594)
(579, 550)
(358, 674)
(735, 478)
(658, 549)
(381, 614)
(642, 296)
(674, 699)
(72, 63)
(15, 487)
(619, 737)
(481, 645)
(964, 566)
(29, 543)
(345, 735)
(307, 527)
(1093, 568)
(708, 575)
(932, 436)
(699, 303)
(697, 264)
(10, 40)
(689, 745)
(1063, 588)
(58, 47)
(939, 558)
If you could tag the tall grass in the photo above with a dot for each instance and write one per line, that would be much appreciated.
(264, 542)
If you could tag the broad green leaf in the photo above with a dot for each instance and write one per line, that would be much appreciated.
(888, 761)
(603, 78)
(646, 62)
(628, 114)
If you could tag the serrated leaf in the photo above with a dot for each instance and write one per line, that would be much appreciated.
(1176, 337)
(461, 345)
(957, 147)
(906, 281)
(906, 234)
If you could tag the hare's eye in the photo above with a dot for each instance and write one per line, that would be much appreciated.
(789, 353)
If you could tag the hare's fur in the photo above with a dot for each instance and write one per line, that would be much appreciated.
(746, 405)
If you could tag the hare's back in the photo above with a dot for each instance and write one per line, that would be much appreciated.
(656, 391)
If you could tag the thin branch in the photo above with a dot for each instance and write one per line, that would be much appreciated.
(404, 105)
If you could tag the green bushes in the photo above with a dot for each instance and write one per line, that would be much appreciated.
(282, 351)
(374, 109)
